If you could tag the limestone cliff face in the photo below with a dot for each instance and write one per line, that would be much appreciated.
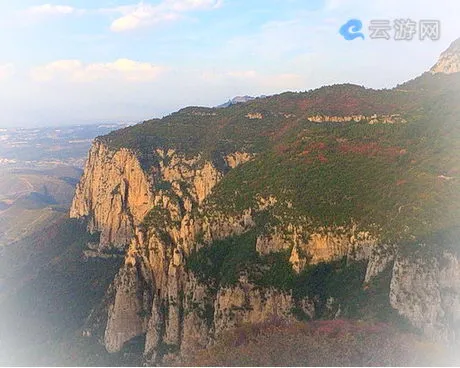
(449, 61)
(133, 300)
(114, 194)
(323, 245)
(154, 213)
(371, 119)
(160, 216)
(426, 290)
(235, 306)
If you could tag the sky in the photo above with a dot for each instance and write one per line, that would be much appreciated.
(91, 61)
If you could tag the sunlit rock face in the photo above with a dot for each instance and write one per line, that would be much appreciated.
(449, 61)
(114, 194)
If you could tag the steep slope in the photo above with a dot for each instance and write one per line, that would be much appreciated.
(449, 62)
(342, 201)
(46, 301)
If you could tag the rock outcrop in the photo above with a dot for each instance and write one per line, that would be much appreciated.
(127, 316)
(245, 304)
(449, 61)
(371, 119)
(424, 287)
(323, 245)
(114, 194)
(426, 290)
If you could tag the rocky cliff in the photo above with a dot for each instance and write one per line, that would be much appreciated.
(114, 194)
(426, 290)
(156, 295)
(160, 217)
(449, 61)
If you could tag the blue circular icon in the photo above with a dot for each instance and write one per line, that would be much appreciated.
(350, 30)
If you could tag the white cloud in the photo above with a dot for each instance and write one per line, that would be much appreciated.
(6, 71)
(40, 13)
(146, 15)
(77, 71)
(188, 5)
(49, 9)
(142, 16)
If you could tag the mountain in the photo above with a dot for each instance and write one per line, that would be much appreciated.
(238, 99)
(336, 202)
(449, 61)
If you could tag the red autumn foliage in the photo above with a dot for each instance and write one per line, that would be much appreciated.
(282, 131)
(371, 149)
(281, 148)
(346, 100)
(318, 146)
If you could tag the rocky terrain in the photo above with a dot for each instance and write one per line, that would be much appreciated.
(340, 202)
(449, 62)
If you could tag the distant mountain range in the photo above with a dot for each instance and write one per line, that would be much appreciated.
(239, 99)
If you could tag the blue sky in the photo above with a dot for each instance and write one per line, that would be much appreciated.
(66, 62)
